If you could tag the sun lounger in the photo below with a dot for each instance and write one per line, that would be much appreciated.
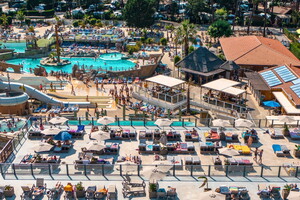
(280, 150)
(90, 192)
(295, 134)
(176, 161)
(191, 136)
(243, 149)
(146, 134)
(224, 190)
(212, 136)
(101, 192)
(276, 134)
(173, 136)
(112, 192)
(134, 181)
(209, 147)
(127, 189)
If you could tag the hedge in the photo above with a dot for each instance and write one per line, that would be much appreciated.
(46, 13)
(295, 49)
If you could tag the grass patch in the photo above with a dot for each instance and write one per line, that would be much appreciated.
(44, 42)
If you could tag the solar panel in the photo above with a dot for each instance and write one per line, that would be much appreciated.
(270, 78)
(296, 89)
(285, 74)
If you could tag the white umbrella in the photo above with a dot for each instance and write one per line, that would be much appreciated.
(163, 139)
(157, 172)
(243, 123)
(43, 147)
(128, 167)
(228, 152)
(101, 135)
(95, 146)
(294, 195)
(163, 122)
(51, 131)
(58, 120)
(286, 119)
(220, 122)
(106, 120)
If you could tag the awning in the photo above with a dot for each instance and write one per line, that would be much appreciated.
(225, 85)
(165, 80)
(233, 91)
(220, 84)
(286, 104)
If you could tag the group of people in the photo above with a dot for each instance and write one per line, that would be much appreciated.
(123, 96)
(258, 154)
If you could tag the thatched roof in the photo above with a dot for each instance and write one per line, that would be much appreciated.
(201, 61)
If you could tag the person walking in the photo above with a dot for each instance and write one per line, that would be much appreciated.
(260, 156)
(255, 154)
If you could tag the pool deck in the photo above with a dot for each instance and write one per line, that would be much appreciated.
(187, 186)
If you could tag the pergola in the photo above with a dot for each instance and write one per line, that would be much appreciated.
(165, 88)
(225, 87)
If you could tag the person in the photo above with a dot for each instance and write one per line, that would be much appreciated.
(255, 153)
(260, 156)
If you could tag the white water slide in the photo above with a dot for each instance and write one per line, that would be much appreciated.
(34, 93)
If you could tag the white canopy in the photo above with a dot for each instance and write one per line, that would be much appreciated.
(286, 104)
(225, 85)
(165, 80)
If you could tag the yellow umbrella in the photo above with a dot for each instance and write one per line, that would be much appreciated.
(298, 31)
(68, 188)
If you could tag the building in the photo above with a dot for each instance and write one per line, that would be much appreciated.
(203, 66)
(281, 83)
(257, 53)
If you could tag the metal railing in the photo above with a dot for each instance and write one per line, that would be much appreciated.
(57, 171)
(147, 120)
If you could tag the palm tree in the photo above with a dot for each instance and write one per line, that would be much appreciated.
(169, 28)
(4, 20)
(187, 32)
(20, 16)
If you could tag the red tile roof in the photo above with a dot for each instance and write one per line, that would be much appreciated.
(256, 50)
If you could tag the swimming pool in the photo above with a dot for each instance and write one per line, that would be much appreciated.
(128, 123)
(104, 62)
(19, 125)
(19, 47)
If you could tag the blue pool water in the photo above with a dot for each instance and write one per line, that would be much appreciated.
(4, 127)
(19, 47)
(104, 62)
(128, 123)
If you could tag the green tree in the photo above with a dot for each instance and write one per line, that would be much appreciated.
(186, 33)
(139, 13)
(219, 29)
(4, 20)
(221, 13)
(176, 60)
(163, 41)
(191, 49)
(194, 7)
(20, 16)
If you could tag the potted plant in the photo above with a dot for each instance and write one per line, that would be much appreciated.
(286, 191)
(286, 131)
(205, 182)
(9, 191)
(153, 189)
(297, 151)
(80, 190)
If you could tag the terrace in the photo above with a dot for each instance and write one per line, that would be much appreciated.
(64, 165)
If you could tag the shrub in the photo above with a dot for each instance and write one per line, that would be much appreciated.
(76, 23)
(132, 49)
(93, 21)
(191, 49)
(177, 59)
(163, 41)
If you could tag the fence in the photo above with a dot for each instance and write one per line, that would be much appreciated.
(145, 120)
(58, 171)
(13, 145)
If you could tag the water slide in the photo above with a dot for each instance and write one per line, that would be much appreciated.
(34, 93)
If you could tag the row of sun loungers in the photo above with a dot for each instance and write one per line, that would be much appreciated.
(36, 132)
(280, 150)
(179, 147)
